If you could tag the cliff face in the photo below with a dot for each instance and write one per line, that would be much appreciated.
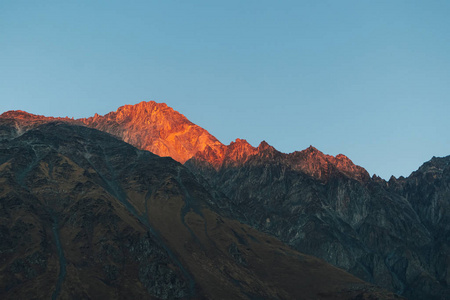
(84, 215)
(157, 128)
(382, 232)
(428, 191)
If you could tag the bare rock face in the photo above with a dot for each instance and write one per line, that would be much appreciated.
(157, 128)
(313, 162)
(309, 161)
(394, 233)
(428, 191)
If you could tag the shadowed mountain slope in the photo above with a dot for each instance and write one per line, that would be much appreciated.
(84, 215)
(391, 233)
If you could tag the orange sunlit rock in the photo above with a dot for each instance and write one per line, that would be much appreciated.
(160, 129)
(157, 128)
(320, 165)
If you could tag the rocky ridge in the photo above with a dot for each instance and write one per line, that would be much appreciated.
(394, 233)
(84, 215)
(309, 161)
(165, 132)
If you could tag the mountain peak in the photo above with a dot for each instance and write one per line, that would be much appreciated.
(311, 148)
(434, 165)
(144, 107)
(20, 114)
(239, 151)
(342, 157)
(320, 165)
(24, 121)
(264, 146)
(155, 127)
(239, 141)
(345, 165)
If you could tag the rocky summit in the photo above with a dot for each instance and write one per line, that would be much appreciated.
(115, 221)
(157, 128)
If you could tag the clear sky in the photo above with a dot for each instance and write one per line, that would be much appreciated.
(369, 79)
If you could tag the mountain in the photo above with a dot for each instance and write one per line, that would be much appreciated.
(87, 216)
(309, 161)
(148, 126)
(165, 132)
(157, 128)
(393, 233)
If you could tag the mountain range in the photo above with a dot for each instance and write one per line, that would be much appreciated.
(236, 221)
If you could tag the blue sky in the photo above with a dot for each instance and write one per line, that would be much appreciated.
(369, 79)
